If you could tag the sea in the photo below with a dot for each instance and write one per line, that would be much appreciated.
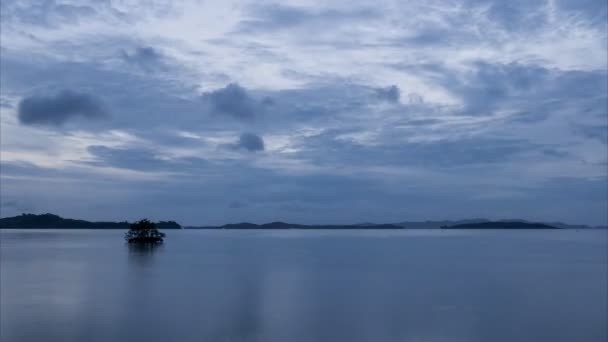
(425, 285)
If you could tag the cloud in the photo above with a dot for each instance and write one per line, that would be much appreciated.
(599, 132)
(56, 110)
(515, 15)
(595, 10)
(5, 104)
(15, 207)
(487, 86)
(533, 90)
(250, 142)
(277, 17)
(46, 12)
(512, 95)
(237, 205)
(9, 204)
(233, 100)
(128, 158)
(390, 94)
(146, 58)
(332, 148)
(130, 96)
(319, 102)
(528, 16)
(143, 159)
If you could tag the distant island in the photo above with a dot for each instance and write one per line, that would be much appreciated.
(284, 225)
(501, 225)
(48, 221)
(461, 224)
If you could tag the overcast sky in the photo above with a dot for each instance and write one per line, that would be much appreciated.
(308, 111)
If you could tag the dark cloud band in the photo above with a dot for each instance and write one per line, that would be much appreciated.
(56, 110)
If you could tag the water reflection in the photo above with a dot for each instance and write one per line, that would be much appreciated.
(142, 254)
(243, 287)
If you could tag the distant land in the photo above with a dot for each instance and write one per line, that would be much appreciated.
(284, 225)
(50, 221)
(461, 224)
(501, 225)
(445, 224)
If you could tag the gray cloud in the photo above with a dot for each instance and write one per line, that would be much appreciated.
(437, 36)
(515, 15)
(277, 17)
(534, 91)
(598, 132)
(56, 110)
(318, 102)
(390, 94)
(15, 207)
(143, 159)
(490, 84)
(134, 95)
(250, 142)
(237, 205)
(45, 12)
(595, 10)
(5, 104)
(233, 100)
(137, 159)
(9, 203)
(528, 16)
(146, 58)
(326, 149)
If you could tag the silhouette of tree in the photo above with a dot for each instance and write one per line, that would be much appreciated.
(144, 231)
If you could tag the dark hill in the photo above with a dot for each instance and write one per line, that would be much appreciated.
(32, 221)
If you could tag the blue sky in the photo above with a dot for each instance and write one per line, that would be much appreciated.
(307, 111)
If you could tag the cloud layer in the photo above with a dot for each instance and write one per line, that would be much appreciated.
(470, 108)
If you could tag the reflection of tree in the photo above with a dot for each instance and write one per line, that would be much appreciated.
(144, 231)
(143, 249)
(143, 253)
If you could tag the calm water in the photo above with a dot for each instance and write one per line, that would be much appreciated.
(305, 286)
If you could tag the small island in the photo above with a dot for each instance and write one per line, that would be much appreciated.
(144, 232)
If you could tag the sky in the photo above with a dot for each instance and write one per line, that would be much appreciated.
(306, 111)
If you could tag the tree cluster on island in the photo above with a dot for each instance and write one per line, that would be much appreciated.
(144, 231)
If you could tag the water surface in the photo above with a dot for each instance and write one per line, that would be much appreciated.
(305, 286)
